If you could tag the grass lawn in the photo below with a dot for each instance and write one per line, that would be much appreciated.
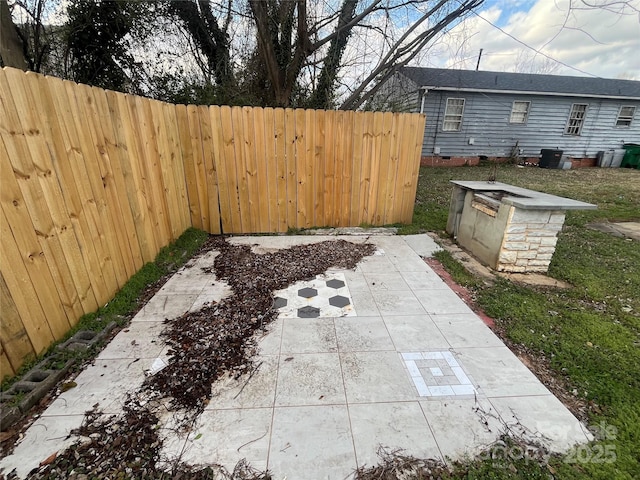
(590, 333)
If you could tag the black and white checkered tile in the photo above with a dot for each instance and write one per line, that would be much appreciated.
(324, 296)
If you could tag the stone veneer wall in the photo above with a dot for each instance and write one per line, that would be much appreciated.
(529, 240)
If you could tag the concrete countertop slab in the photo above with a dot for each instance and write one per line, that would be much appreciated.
(525, 198)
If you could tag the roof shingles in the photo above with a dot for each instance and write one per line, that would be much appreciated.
(521, 82)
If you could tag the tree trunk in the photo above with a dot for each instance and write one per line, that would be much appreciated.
(11, 48)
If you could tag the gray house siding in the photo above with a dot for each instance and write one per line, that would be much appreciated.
(486, 130)
(398, 94)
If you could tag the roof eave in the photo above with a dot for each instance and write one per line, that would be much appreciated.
(528, 92)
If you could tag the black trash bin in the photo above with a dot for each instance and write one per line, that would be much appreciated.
(550, 158)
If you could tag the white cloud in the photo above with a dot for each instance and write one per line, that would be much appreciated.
(599, 41)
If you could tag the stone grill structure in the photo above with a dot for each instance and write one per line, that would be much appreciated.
(508, 228)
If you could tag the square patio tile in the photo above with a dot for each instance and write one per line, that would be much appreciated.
(462, 426)
(356, 282)
(543, 419)
(398, 303)
(441, 301)
(468, 331)
(375, 377)
(161, 307)
(415, 332)
(311, 442)
(227, 436)
(308, 335)
(422, 244)
(364, 304)
(385, 281)
(398, 425)
(270, 340)
(46, 436)
(138, 340)
(309, 379)
(211, 295)
(106, 383)
(423, 280)
(357, 334)
(497, 372)
(376, 264)
(187, 284)
(249, 391)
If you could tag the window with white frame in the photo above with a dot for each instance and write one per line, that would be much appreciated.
(519, 112)
(625, 116)
(453, 115)
(576, 119)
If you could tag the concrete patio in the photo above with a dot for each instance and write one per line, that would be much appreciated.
(402, 363)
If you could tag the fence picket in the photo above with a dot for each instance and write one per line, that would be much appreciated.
(94, 183)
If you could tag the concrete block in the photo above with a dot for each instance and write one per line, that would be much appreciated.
(537, 268)
(539, 263)
(512, 268)
(516, 246)
(516, 228)
(535, 232)
(530, 216)
(548, 241)
(516, 237)
(507, 257)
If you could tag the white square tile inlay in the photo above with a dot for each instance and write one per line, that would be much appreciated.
(437, 374)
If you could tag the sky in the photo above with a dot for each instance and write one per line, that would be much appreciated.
(602, 42)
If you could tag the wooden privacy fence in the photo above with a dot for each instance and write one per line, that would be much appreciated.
(94, 183)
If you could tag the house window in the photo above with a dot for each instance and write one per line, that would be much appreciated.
(576, 119)
(625, 116)
(453, 115)
(519, 112)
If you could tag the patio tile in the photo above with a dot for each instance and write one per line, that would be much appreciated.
(375, 377)
(308, 335)
(227, 436)
(398, 303)
(375, 264)
(357, 334)
(462, 426)
(385, 281)
(543, 419)
(138, 340)
(311, 443)
(497, 372)
(467, 331)
(161, 307)
(441, 302)
(423, 280)
(309, 379)
(422, 244)
(415, 332)
(186, 284)
(106, 383)
(211, 295)
(46, 436)
(269, 341)
(254, 390)
(356, 282)
(399, 425)
(364, 304)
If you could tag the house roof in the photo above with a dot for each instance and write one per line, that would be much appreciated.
(470, 80)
